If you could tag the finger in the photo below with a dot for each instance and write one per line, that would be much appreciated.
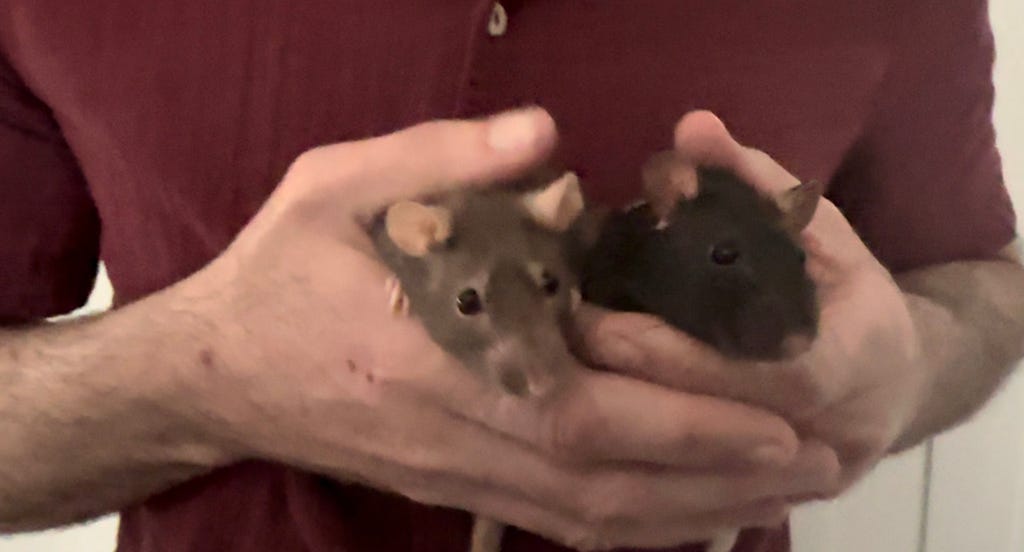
(433, 157)
(621, 503)
(703, 138)
(445, 155)
(579, 534)
(609, 417)
(646, 347)
(628, 501)
(601, 416)
(605, 417)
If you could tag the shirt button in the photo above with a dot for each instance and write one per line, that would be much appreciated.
(498, 23)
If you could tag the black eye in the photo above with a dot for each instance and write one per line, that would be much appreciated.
(724, 254)
(548, 283)
(468, 302)
(802, 255)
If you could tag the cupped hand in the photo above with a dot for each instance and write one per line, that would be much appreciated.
(858, 385)
(309, 367)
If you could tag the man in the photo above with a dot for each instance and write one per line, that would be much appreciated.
(252, 393)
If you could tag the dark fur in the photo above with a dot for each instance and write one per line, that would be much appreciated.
(745, 309)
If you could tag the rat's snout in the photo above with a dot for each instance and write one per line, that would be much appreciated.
(773, 328)
(526, 366)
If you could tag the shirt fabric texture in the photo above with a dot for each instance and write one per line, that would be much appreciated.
(148, 133)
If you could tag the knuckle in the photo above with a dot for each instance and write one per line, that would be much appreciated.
(878, 438)
(830, 493)
(425, 493)
(600, 514)
(772, 514)
(569, 432)
(427, 464)
(686, 435)
(586, 540)
(303, 164)
(608, 502)
(808, 387)
(328, 163)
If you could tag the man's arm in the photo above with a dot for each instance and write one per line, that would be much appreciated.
(83, 422)
(93, 413)
(970, 316)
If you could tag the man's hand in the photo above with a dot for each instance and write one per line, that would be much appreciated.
(284, 348)
(863, 379)
(308, 366)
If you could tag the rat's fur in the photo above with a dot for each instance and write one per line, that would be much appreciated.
(658, 258)
(496, 248)
(747, 308)
(491, 242)
(507, 245)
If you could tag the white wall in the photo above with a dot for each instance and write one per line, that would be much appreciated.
(970, 499)
(977, 483)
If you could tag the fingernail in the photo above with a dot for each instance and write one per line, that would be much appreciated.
(513, 131)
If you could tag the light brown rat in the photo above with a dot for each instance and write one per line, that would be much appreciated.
(486, 272)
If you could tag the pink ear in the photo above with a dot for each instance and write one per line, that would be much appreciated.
(557, 205)
(667, 177)
(798, 204)
(415, 227)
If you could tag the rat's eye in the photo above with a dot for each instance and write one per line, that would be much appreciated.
(548, 283)
(724, 254)
(468, 302)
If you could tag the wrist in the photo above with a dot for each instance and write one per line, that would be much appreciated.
(933, 332)
(173, 341)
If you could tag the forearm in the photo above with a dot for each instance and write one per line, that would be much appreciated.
(94, 413)
(970, 317)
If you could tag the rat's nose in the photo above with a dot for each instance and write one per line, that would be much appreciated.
(522, 379)
(523, 367)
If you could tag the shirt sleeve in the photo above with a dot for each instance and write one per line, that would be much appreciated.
(49, 227)
(924, 184)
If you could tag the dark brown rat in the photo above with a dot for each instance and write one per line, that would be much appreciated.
(724, 265)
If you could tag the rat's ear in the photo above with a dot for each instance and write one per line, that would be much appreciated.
(557, 205)
(667, 178)
(798, 205)
(415, 227)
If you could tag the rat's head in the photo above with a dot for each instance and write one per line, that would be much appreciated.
(486, 273)
(726, 266)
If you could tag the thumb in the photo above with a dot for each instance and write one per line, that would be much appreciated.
(704, 139)
(831, 242)
(430, 158)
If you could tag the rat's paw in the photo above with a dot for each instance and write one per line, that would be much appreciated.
(398, 301)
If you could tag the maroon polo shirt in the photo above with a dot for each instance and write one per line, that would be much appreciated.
(148, 133)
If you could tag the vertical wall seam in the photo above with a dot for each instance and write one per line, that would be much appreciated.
(926, 492)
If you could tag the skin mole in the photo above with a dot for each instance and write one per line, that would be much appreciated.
(206, 359)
